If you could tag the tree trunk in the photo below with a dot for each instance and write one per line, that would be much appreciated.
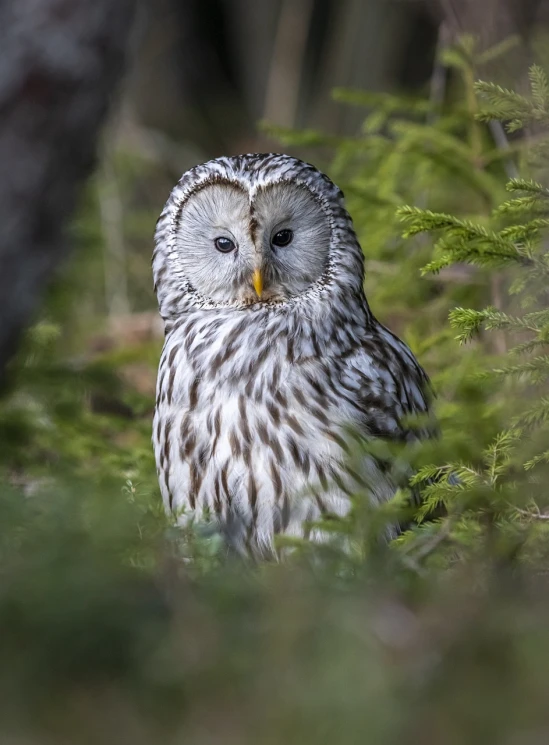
(61, 61)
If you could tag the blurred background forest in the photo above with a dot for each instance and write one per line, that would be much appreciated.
(115, 626)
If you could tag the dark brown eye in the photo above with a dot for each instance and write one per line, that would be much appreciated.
(225, 245)
(282, 238)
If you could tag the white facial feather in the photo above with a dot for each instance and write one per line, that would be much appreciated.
(297, 266)
(217, 210)
(251, 220)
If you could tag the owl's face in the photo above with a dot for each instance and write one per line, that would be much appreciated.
(242, 245)
(262, 231)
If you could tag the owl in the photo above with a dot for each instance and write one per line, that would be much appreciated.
(273, 361)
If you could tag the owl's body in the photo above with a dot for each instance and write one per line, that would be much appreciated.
(261, 393)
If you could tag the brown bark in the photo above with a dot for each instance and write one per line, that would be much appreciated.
(60, 63)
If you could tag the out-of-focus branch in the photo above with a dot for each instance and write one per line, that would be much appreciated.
(460, 274)
(60, 63)
(114, 253)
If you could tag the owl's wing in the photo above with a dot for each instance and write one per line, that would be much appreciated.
(388, 387)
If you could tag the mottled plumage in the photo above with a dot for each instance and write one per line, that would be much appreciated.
(256, 396)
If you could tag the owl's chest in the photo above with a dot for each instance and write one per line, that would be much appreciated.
(246, 440)
(270, 416)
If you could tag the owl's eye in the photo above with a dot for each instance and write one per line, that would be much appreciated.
(282, 238)
(225, 245)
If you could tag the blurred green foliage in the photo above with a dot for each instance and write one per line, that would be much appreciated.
(117, 627)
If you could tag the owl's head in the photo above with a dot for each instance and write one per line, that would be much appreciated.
(253, 230)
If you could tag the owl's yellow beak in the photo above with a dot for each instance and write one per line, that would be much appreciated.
(257, 280)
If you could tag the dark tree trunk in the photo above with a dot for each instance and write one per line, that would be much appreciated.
(60, 61)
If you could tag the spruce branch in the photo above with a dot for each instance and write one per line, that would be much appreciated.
(536, 369)
(540, 88)
(534, 416)
(528, 185)
(507, 102)
(385, 102)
